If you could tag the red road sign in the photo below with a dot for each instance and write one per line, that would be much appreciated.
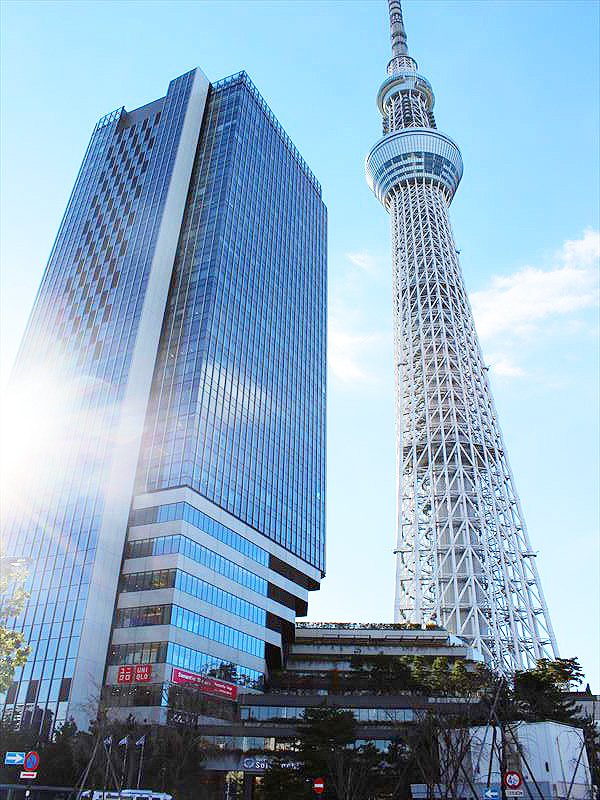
(319, 785)
(32, 761)
(512, 779)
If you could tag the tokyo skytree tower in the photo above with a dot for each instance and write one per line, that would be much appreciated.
(464, 559)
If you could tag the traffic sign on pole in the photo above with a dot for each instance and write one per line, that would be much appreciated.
(319, 785)
(512, 779)
(491, 794)
(29, 774)
(32, 761)
(14, 759)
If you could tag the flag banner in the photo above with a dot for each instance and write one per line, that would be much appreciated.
(140, 741)
(108, 741)
(123, 741)
(207, 685)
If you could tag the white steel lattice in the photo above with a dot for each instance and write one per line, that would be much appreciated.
(464, 559)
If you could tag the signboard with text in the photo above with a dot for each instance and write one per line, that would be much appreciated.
(138, 673)
(184, 677)
(143, 673)
(125, 674)
(261, 763)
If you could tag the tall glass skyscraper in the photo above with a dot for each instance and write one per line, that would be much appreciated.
(174, 519)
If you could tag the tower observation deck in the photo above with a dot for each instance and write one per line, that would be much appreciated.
(463, 557)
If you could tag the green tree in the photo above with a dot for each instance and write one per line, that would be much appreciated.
(11, 739)
(440, 737)
(58, 760)
(13, 650)
(541, 693)
(327, 749)
(172, 757)
(283, 780)
(385, 673)
(175, 761)
(61, 758)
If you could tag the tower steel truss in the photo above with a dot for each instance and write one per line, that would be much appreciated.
(464, 559)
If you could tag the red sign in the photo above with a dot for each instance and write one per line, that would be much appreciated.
(512, 779)
(204, 683)
(125, 674)
(319, 785)
(28, 774)
(143, 673)
(32, 761)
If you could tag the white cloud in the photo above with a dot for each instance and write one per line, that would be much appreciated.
(358, 353)
(501, 364)
(518, 309)
(582, 252)
(365, 261)
(518, 303)
(351, 354)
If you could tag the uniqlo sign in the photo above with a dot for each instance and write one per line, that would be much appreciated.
(204, 684)
(143, 673)
(140, 673)
(125, 674)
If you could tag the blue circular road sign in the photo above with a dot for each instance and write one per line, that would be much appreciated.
(32, 761)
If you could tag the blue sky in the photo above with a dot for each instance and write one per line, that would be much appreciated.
(516, 87)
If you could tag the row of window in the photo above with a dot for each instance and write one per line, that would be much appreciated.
(147, 581)
(35, 717)
(224, 634)
(218, 597)
(39, 691)
(189, 621)
(186, 512)
(152, 695)
(259, 713)
(178, 698)
(276, 743)
(166, 545)
(178, 579)
(179, 656)
(140, 653)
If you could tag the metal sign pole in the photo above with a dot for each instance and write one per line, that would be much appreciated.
(139, 775)
(107, 754)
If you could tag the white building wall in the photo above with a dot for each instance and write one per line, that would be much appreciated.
(551, 753)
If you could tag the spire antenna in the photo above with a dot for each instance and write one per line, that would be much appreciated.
(397, 32)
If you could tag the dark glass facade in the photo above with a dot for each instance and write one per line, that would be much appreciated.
(240, 373)
(179, 518)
